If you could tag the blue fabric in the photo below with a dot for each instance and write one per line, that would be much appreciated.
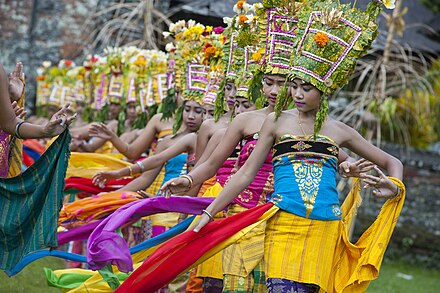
(304, 178)
(33, 154)
(31, 257)
(175, 167)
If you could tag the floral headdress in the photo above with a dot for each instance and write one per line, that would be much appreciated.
(243, 51)
(191, 73)
(331, 37)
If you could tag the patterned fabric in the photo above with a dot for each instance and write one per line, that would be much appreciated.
(212, 285)
(283, 285)
(194, 283)
(213, 267)
(262, 186)
(300, 249)
(255, 282)
(242, 257)
(4, 153)
(31, 203)
(305, 172)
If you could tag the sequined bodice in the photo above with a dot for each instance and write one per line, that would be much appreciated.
(305, 176)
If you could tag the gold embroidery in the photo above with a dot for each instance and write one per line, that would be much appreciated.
(308, 177)
(333, 149)
(301, 146)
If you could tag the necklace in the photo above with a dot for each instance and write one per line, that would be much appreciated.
(300, 123)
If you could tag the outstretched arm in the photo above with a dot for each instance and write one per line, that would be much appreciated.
(152, 162)
(208, 168)
(245, 175)
(203, 138)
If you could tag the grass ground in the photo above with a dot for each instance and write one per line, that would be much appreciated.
(395, 277)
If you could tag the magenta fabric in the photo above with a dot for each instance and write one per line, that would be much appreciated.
(78, 233)
(105, 246)
(224, 172)
(262, 186)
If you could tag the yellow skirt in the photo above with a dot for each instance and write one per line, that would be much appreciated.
(212, 267)
(243, 256)
(319, 252)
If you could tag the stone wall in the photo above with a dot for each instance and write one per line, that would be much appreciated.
(39, 30)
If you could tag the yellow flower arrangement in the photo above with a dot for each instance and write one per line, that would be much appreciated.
(242, 19)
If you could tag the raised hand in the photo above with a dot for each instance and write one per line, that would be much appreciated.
(16, 82)
(101, 130)
(355, 169)
(100, 178)
(175, 186)
(381, 184)
(58, 122)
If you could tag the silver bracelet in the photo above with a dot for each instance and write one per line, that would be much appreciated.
(141, 166)
(211, 218)
(17, 129)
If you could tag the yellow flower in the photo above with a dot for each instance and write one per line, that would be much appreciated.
(208, 29)
(321, 39)
(240, 4)
(256, 56)
(140, 61)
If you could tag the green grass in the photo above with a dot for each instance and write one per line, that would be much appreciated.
(32, 279)
(423, 280)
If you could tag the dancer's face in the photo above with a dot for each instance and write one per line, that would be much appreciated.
(243, 105)
(131, 111)
(230, 91)
(208, 111)
(114, 111)
(272, 84)
(306, 96)
(192, 115)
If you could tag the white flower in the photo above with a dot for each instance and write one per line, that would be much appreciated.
(227, 20)
(191, 23)
(250, 18)
(40, 71)
(390, 4)
(236, 9)
(166, 34)
(247, 7)
(169, 47)
(47, 64)
(258, 5)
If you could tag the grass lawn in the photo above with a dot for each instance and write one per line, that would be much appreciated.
(395, 277)
(399, 277)
(32, 278)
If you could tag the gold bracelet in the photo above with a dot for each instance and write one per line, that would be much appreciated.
(189, 178)
(130, 170)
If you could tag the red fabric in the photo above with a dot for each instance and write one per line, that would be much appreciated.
(34, 145)
(179, 253)
(86, 185)
(27, 160)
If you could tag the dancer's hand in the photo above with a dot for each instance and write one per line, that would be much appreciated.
(144, 194)
(102, 177)
(175, 186)
(355, 169)
(101, 130)
(19, 111)
(383, 186)
(203, 220)
(58, 122)
(16, 85)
